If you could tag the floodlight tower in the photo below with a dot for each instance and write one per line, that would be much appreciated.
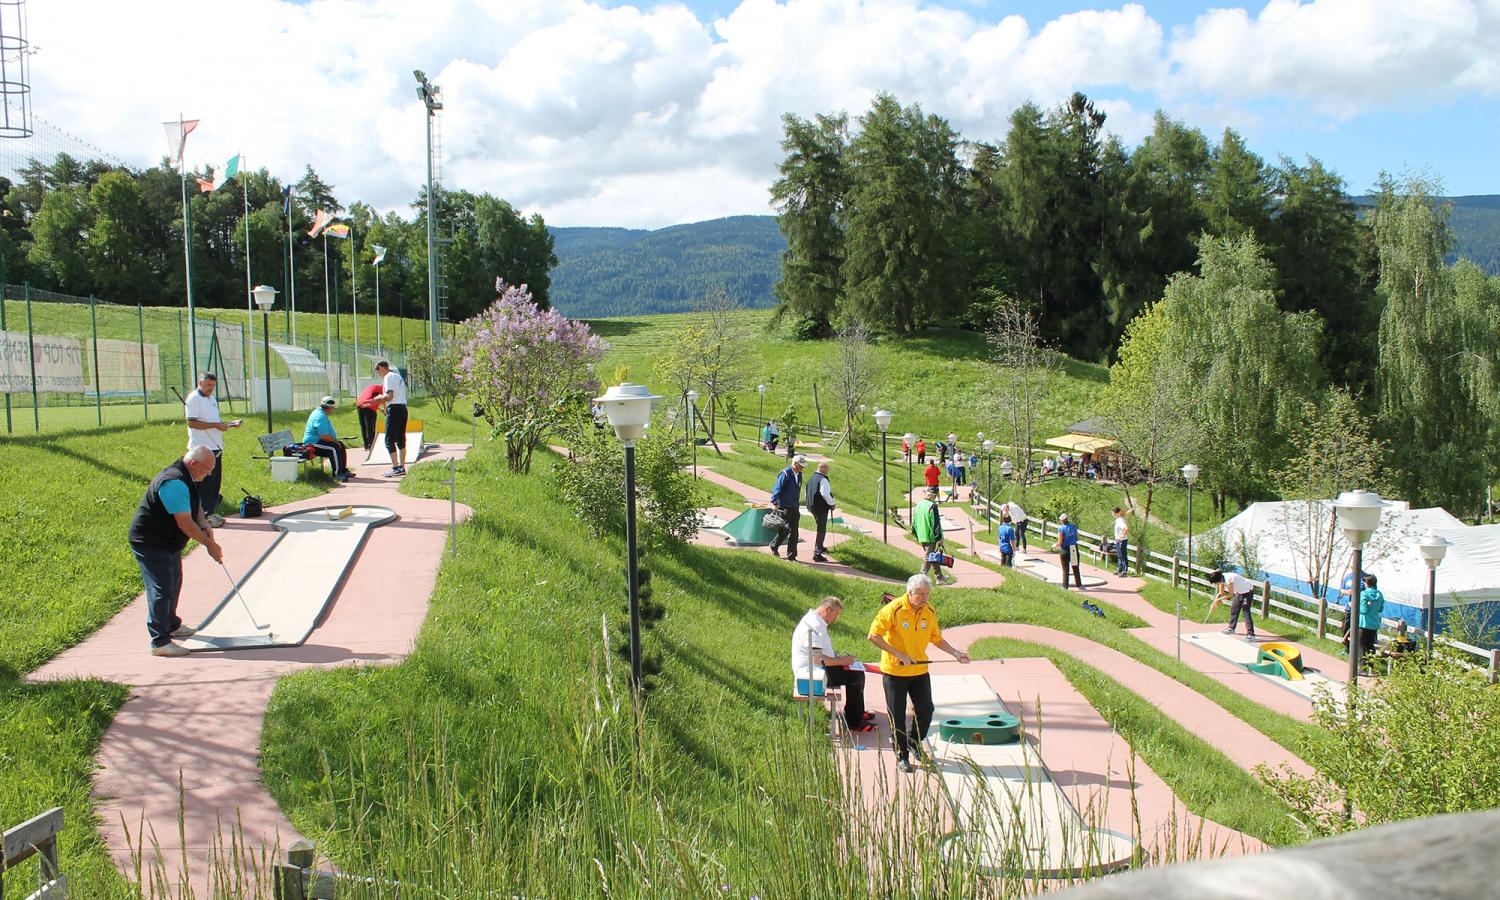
(430, 95)
(15, 71)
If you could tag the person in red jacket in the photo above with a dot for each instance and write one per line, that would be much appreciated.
(921, 451)
(367, 406)
(933, 475)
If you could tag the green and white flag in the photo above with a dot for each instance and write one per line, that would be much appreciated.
(227, 171)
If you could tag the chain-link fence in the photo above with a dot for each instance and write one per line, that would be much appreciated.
(79, 362)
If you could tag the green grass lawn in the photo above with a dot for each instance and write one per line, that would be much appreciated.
(934, 383)
(1208, 783)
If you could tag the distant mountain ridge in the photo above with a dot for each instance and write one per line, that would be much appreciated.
(624, 271)
(628, 271)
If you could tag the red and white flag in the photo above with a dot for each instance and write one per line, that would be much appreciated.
(320, 222)
(177, 133)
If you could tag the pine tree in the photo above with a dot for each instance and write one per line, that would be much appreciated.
(810, 197)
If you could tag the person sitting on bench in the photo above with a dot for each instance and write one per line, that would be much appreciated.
(812, 647)
(320, 436)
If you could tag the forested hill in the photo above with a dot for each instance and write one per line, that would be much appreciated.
(1476, 229)
(622, 271)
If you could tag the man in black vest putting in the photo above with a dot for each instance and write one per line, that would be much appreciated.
(169, 516)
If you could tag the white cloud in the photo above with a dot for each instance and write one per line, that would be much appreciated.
(1344, 55)
(649, 116)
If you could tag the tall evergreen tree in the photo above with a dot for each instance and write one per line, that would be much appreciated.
(901, 269)
(1237, 199)
(810, 198)
(1316, 244)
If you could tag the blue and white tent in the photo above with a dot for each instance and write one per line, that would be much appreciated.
(1469, 574)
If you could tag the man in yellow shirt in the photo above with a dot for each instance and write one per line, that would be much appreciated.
(902, 630)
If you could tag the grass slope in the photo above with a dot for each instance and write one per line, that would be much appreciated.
(501, 721)
(934, 383)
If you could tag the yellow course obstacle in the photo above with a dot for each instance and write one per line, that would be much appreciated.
(1280, 659)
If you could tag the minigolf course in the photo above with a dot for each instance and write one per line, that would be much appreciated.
(285, 593)
(1010, 814)
(1277, 662)
(380, 456)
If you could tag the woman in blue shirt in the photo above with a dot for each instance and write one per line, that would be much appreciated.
(1371, 607)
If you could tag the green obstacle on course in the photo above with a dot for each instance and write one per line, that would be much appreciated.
(995, 728)
(748, 528)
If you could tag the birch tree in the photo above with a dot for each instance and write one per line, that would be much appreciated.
(854, 378)
(1022, 367)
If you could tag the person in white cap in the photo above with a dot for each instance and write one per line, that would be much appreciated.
(324, 441)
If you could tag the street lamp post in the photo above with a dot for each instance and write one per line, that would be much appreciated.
(265, 298)
(883, 422)
(762, 390)
(1434, 547)
(628, 408)
(989, 478)
(429, 94)
(1190, 475)
(692, 407)
(1359, 516)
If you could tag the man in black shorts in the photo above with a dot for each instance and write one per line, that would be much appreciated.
(393, 395)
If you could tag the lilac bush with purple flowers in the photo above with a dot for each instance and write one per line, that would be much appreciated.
(525, 366)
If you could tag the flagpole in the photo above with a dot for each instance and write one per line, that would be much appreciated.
(187, 252)
(378, 342)
(327, 311)
(249, 364)
(354, 297)
(291, 273)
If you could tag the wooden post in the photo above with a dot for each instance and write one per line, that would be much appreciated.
(1174, 571)
(1322, 617)
(817, 409)
(1265, 600)
(1494, 665)
(289, 873)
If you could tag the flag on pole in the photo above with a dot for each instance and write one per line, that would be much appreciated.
(204, 185)
(177, 133)
(379, 253)
(286, 201)
(339, 231)
(321, 219)
(226, 171)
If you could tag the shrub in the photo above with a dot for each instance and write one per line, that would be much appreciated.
(592, 481)
(527, 367)
(435, 371)
(1421, 745)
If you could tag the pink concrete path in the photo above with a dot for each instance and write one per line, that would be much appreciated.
(1097, 771)
(1161, 632)
(196, 721)
(1245, 745)
(969, 575)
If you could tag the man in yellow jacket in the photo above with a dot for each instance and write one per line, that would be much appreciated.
(902, 630)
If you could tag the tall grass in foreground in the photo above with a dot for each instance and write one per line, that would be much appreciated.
(605, 825)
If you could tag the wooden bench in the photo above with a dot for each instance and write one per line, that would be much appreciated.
(832, 699)
(272, 444)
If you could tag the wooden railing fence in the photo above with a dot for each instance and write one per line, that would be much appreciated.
(37, 837)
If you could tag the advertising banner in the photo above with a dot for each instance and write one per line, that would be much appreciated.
(59, 364)
(120, 367)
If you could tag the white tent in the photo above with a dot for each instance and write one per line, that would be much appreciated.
(1470, 572)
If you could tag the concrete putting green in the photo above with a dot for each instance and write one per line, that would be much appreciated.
(283, 596)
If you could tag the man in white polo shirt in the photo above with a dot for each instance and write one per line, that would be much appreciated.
(206, 429)
(393, 395)
(812, 648)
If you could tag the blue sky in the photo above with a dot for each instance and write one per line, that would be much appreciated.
(598, 112)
